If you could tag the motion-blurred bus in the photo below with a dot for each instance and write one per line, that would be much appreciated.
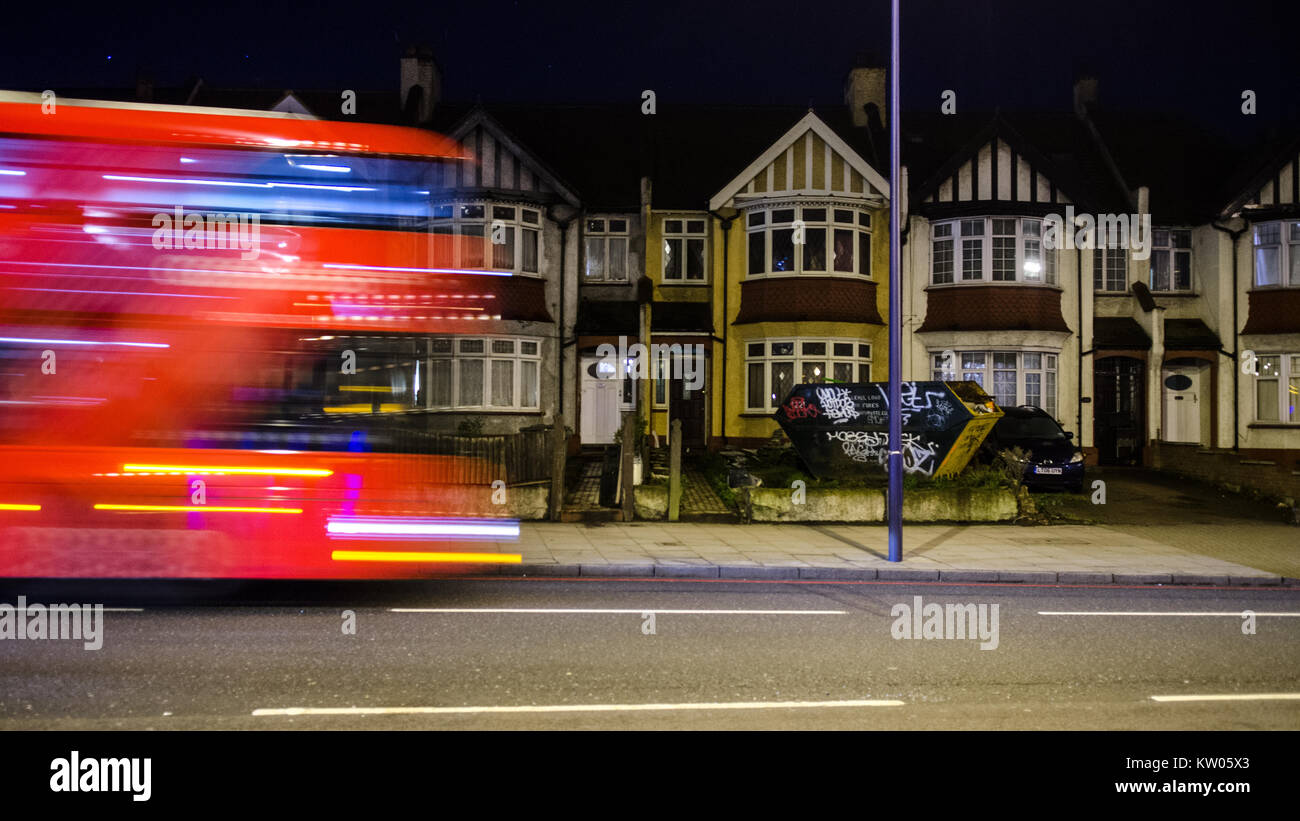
(202, 314)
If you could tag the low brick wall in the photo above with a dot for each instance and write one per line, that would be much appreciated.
(867, 505)
(1273, 473)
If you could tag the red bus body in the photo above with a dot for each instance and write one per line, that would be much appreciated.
(119, 358)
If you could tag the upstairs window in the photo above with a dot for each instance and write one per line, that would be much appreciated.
(486, 235)
(1110, 269)
(1277, 254)
(814, 240)
(607, 244)
(684, 250)
(1171, 259)
(990, 249)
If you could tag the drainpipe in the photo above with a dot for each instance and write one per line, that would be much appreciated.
(559, 370)
(1078, 392)
(726, 286)
(1236, 339)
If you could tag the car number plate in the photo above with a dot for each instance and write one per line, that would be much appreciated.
(1054, 471)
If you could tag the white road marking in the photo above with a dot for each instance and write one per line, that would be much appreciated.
(656, 611)
(573, 708)
(1234, 613)
(1233, 697)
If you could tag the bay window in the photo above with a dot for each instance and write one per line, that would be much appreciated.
(484, 373)
(774, 366)
(1277, 388)
(1010, 377)
(486, 235)
(809, 240)
(990, 249)
(1277, 254)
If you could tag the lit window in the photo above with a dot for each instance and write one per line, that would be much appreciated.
(816, 241)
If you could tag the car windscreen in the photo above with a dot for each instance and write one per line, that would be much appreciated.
(1032, 427)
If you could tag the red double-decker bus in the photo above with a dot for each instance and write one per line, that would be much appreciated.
(202, 314)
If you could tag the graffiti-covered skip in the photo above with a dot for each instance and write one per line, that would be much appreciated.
(843, 428)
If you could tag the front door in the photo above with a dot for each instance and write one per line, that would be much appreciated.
(687, 404)
(1117, 413)
(604, 397)
(1181, 386)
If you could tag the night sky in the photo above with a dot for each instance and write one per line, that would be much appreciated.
(1193, 58)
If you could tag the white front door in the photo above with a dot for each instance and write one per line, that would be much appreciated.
(601, 402)
(1181, 387)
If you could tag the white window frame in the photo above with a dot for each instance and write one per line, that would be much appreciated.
(451, 215)
(1167, 246)
(1048, 364)
(600, 231)
(685, 237)
(1286, 374)
(838, 217)
(798, 358)
(1288, 253)
(456, 355)
(1030, 267)
(1109, 265)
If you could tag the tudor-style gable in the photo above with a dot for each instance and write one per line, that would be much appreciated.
(810, 159)
(500, 164)
(1272, 191)
(997, 171)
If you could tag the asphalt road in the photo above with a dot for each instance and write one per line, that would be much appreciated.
(438, 652)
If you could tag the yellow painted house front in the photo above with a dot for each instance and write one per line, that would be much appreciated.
(801, 291)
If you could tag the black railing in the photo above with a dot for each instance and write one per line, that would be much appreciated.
(515, 458)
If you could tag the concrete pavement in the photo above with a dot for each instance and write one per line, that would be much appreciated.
(1065, 554)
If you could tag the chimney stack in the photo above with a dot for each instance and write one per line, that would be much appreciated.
(421, 84)
(865, 84)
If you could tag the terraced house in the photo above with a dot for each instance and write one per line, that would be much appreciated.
(751, 242)
(765, 242)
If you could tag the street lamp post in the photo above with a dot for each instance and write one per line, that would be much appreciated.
(895, 306)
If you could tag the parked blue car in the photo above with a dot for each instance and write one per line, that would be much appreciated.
(1055, 461)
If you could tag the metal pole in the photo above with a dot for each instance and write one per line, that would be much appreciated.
(895, 307)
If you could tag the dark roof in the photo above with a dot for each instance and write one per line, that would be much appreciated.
(1190, 335)
(1186, 167)
(594, 149)
(695, 150)
(681, 316)
(372, 106)
(598, 317)
(690, 151)
(1119, 332)
(1059, 142)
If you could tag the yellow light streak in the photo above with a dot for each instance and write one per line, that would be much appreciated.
(401, 556)
(232, 471)
(198, 509)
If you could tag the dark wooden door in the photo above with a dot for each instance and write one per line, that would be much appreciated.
(687, 405)
(1119, 424)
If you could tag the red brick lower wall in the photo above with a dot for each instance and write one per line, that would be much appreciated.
(1233, 468)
